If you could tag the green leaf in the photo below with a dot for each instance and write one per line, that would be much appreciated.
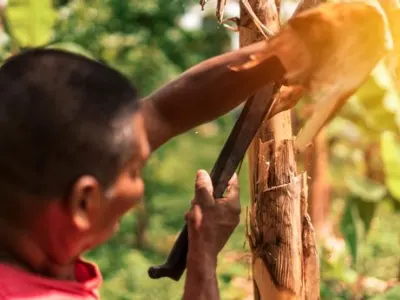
(366, 210)
(395, 203)
(375, 106)
(348, 227)
(31, 21)
(366, 189)
(390, 151)
(72, 47)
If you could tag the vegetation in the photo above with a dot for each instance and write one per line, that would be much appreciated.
(143, 39)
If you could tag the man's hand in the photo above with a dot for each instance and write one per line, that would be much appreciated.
(210, 224)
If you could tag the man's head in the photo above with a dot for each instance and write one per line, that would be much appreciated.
(72, 146)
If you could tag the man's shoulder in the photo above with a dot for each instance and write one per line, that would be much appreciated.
(17, 284)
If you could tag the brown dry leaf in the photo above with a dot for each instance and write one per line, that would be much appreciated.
(260, 26)
(203, 3)
(221, 9)
(394, 56)
(330, 50)
(286, 99)
(343, 62)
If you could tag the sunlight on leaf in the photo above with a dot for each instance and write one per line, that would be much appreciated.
(366, 189)
(376, 105)
(31, 21)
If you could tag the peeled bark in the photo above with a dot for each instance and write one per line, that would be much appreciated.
(281, 237)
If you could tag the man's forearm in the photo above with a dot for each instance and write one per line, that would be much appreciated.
(205, 92)
(201, 278)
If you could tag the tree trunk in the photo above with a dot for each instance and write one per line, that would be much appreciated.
(281, 237)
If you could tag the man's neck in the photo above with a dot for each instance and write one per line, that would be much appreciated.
(22, 250)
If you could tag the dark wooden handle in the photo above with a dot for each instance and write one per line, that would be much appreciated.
(176, 261)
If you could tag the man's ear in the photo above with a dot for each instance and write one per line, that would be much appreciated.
(84, 202)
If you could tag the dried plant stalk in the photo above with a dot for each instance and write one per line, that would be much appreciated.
(331, 65)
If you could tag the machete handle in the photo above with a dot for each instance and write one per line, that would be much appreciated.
(176, 261)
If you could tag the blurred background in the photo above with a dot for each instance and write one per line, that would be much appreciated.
(354, 167)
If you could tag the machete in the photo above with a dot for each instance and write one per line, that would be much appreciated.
(254, 112)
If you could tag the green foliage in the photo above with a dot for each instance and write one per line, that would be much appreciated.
(143, 40)
(366, 211)
(377, 256)
(390, 150)
(365, 188)
(362, 202)
(31, 21)
(375, 107)
(392, 294)
(370, 118)
(367, 180)
(140, 37)
(349, 228)
(72, 47)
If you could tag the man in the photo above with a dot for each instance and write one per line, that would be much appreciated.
(74, 138)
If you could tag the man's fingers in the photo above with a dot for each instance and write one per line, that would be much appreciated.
(232, 194)
(233, 190)
(203, 189)
(194, 217)
(234, 180)
(203, 182)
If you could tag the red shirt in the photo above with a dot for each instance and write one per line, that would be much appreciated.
(16, 284)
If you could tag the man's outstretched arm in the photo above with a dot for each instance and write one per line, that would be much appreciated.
(205, 92)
